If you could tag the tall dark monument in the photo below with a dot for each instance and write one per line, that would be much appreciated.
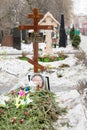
(62, 33)
(1, 36)
(16, 38)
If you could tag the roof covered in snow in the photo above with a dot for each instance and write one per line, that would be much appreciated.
(49, 15)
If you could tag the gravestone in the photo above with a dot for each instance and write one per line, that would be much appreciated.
(24, 36)
(7, 39)
(35, 16)
(1, 36)
(48, 19)
(16, 38)
(62, 35)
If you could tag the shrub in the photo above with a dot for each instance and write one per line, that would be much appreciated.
(82, 57)
(23, 58)
(72, 33)
(76, 41)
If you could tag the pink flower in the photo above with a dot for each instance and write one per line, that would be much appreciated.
(21, 93)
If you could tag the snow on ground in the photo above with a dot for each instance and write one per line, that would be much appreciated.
(75, 117)
(14, 73)
(83, 44)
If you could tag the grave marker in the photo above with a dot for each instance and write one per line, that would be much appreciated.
(36, 17)
(16, 38)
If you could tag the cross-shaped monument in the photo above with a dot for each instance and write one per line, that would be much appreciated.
(36, 17)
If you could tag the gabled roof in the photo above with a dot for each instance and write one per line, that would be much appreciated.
(48, 14)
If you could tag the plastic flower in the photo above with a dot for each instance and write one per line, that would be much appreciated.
(28, 100)
(22, 102)
(21, 93)
(26, 89)
(17, 100)
(23, 99)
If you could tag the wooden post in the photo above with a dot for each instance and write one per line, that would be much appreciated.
(35, 16)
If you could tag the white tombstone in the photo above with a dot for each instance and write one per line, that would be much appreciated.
(49, 20)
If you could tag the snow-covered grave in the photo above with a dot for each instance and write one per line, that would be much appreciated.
(63, 80)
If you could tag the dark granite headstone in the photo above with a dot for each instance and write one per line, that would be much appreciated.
(24, 36)
(1, 36)
(62, 33)
(16, 38)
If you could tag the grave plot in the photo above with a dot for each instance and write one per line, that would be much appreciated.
(25, 102)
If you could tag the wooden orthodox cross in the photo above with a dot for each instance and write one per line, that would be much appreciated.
(35, 16)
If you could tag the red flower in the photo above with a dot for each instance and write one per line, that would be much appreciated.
(21, 121)
(12, 92)
(26, 113)
(13, 120)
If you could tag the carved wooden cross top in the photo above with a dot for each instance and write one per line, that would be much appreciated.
(36, 17)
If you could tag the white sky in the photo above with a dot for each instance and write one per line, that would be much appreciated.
(80, 6)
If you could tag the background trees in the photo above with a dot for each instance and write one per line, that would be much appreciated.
(15, 12)
(10, 14)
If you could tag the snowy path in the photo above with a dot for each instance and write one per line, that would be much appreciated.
(83, 43)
